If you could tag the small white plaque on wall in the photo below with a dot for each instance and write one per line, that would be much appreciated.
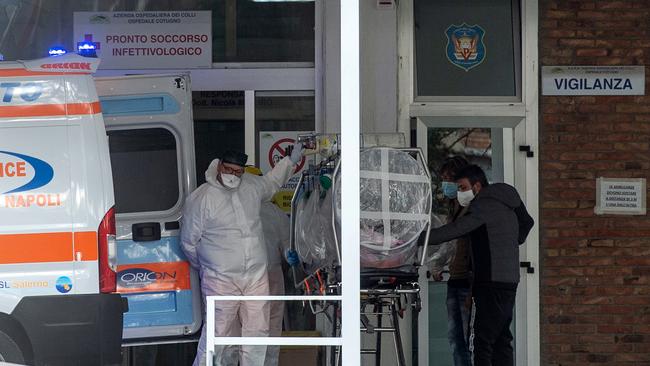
(620, 196)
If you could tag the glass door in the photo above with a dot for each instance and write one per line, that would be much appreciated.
(493, 146)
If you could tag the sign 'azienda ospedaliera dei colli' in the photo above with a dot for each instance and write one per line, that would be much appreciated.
(593, 80)
(148, 39)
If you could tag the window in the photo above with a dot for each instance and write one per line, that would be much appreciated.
(218, 126)
(283, 111)
(243, 30)
(263, 31)
(467, 48)
(145, 169)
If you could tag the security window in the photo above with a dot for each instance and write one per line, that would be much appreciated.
(467, 50)
(145, 169)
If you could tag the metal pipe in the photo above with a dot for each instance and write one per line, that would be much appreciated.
(382, 330)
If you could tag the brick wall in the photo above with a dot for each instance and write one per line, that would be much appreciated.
(595, 289)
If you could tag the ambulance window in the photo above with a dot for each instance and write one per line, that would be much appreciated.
(467, 48)
(145, 169)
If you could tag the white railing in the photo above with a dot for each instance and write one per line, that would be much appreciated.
(212, 341)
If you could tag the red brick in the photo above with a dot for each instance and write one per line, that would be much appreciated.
(615, 5)
(592, 52)
(596, 338)
(601, 243)
(633, 357)
(559, 14)
(632, 108)
(591, 15)
(632, 146)
(577, 42)
(560, 33)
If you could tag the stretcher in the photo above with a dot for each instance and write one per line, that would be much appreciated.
(395, 220)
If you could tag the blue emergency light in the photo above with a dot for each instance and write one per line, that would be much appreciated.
(57, 51)
(87, 49)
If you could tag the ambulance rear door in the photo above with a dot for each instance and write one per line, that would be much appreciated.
(150, 131)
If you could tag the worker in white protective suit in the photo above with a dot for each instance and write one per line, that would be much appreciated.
(276, 226)
(222, 237)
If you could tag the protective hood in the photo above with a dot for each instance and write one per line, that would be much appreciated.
(501, 192)
(211, 174)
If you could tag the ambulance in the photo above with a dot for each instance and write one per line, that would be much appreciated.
(91, 191)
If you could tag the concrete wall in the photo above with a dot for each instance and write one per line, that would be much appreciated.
(378, 67)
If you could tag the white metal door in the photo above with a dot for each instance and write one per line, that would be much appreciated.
(150, 128)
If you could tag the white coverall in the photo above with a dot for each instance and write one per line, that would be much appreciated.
(222, 237)
(275, 224)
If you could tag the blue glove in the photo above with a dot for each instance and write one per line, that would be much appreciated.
(296, 153)
(292, 257)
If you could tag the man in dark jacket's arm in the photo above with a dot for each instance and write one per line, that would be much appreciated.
(461, 227)
(525, 222)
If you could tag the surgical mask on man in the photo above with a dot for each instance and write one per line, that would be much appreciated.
(449, 189)
(465, 197)
(230, 181)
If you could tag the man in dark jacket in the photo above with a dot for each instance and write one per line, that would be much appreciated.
(497, 223)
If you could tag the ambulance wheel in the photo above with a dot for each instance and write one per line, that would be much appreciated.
(9, 350)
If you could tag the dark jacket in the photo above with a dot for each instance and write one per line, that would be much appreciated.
(497, 223)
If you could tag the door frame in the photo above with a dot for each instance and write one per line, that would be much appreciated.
(512, 135)
(523, 117)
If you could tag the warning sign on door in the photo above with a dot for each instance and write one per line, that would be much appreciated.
(273, 145)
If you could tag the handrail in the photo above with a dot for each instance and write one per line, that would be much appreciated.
(212, 341)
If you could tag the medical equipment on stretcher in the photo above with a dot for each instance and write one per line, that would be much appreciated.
(395, 219)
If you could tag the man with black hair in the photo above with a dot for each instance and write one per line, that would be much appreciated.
(497, 223)
(455, 255)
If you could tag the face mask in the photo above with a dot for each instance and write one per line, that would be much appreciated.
(230, 181)
(449, 189)
(465, 197)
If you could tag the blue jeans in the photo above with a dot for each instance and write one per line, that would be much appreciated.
(458, 324)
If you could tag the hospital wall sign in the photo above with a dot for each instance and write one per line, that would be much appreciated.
(593, 80)
(620, 196)
(148, 39)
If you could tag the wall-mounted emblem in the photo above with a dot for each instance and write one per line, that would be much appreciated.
(465, 47)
